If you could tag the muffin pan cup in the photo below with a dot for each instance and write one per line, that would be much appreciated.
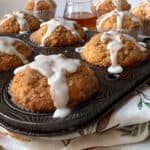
(145, 28)
(112, 92)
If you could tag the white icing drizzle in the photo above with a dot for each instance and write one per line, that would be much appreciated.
(6, 46)
(61, 113)
(24, 27)
(115, 69)
(120, 15)
(54, 67)
(114, 45)
(54, 23)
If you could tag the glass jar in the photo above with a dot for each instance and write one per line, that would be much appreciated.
(82, 11)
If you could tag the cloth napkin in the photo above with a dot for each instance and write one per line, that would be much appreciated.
(128, 124)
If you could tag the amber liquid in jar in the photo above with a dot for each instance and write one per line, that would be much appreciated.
(85, 19)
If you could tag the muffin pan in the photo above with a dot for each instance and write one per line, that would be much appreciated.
(113, 89)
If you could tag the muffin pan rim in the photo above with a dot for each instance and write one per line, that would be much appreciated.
(67, 130)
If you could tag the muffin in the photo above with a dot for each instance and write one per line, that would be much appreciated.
(58, 32)
(121, 21)
(143, 12)
(106, 6)
(18, 22)
(114, 50)
(42, 9)
(13, 53)
(53, 83)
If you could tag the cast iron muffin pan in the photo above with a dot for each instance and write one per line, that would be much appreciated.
(112, 92)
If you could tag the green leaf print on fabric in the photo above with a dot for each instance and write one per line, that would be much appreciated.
(135, 130)
(144, 100)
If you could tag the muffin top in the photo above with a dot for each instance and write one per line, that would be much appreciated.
(142, 10)
(18, 22)
(13, 53)
(39, 5)
(115, 50)
(7, 46)
(105, 6)
(117, 20)
(59, 81)
(58, 32)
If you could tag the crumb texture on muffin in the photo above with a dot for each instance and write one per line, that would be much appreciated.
(105, 6)
(18, 22)
(115, 50)
(53, 83)
(58, 32)
(142, 10)
(13, 53)
(118, 21)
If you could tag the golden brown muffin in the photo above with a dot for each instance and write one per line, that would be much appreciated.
(118, 21)
(143, 12)
(112, 49)
(42, 9)
(18, 22)
(58, 32)
(30, 89)
(13, 53)
(106, 6)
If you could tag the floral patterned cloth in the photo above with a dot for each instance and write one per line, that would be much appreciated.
(130, 123)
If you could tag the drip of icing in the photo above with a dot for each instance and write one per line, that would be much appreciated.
(20, 19)
(115, 69)
(54, 23)
(79, 49)
(120, 15)
(114, 45)
(61, 113)
(54, 67)
(6, 46)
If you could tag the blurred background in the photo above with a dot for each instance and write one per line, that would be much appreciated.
(8, 6)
